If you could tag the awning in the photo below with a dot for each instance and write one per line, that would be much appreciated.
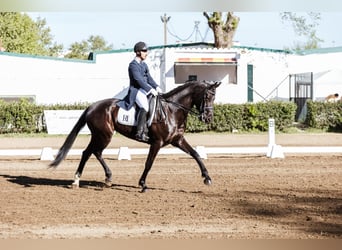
(205, 60)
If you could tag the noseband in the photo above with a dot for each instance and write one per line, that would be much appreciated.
(203, 106)
(202, 109)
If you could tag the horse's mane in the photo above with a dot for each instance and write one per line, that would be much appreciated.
(181, 88)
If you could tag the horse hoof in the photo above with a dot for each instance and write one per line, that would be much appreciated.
(74, 186)
(207, 181)
(143, 190)
(107, 183)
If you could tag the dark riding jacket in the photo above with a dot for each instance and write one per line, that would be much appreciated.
(139, 77)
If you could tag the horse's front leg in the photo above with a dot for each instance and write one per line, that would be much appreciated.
(154, 149)
(187, 148)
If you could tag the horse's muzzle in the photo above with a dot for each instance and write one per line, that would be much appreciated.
(206, 117)
(207, 114)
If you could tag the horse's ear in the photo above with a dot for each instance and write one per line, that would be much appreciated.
(216, 84)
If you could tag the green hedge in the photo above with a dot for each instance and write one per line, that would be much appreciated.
(19, 117)
(246, 117)
(26, 117)
(324, 115)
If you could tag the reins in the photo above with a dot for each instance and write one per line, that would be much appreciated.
(192, 111)
(178, 105)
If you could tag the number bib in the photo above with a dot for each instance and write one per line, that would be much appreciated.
(127, 117)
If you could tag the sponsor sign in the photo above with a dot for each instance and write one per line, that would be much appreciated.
(62, 121)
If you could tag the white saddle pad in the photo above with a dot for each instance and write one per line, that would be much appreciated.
(127, 117)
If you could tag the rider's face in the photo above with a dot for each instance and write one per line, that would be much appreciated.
(143, 54)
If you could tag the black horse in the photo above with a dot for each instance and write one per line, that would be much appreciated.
(167, 127)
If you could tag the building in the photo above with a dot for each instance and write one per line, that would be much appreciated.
(247, 74)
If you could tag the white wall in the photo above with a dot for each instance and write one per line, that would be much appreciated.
(54, 80)
(327, 72)
(269, 70)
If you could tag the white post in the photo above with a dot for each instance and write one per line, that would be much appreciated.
(274, 150)
(124, 154)
(202, 152)
(271, 132)
(46, 154)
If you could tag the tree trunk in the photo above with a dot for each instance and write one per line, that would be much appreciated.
(223, 31)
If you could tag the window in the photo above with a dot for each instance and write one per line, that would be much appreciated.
(192, 78)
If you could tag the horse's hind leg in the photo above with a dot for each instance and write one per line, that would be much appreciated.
(108, 172)
(85, 157)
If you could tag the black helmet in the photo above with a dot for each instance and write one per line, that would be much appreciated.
(140, 46)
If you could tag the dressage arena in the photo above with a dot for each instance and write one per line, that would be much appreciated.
(251, 197)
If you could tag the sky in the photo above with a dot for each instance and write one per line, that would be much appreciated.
(124, 29)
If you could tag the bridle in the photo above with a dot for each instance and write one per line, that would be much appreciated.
(202, 108)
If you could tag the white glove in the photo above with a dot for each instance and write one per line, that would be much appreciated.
(159, 90)
(153, 92)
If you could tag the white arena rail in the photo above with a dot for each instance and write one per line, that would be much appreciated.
(272, 150)
(125, 153)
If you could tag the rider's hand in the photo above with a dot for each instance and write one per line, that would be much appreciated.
(153, 92)
(159, 90)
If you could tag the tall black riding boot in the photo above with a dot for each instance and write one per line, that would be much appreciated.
(141, 135)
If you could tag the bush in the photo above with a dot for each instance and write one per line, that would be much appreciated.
(26, 117)
(19, 117)
(228, 117)
(324, 115)
(246, 117)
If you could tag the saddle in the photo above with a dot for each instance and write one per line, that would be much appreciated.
(129, 117)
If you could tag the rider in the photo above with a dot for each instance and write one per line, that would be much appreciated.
(141, 85)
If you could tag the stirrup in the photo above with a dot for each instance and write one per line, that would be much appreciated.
(142, 137)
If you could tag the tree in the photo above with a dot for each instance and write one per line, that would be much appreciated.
(304, 25)
(46, 39)
(81, 50)
(224, 30)
(97, 43)
(20, 34)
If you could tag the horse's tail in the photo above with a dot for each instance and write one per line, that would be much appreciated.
(63, 151)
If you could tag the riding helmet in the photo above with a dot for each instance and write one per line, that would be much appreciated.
(140, 46)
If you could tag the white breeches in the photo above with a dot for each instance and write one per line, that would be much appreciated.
(141, 99)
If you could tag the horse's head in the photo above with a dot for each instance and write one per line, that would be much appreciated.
(193, 93)
(205, 105)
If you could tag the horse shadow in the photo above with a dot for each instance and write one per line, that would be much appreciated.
(28, 181)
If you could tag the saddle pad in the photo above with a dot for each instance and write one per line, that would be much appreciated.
(127, 117)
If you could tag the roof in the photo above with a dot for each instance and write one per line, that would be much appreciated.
(203, 45)
(198, 45)
(321, 51)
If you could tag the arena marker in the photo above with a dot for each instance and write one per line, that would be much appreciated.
(46, 154)
(277, 152)
(124, 154)
(202, 152)
(274, 150)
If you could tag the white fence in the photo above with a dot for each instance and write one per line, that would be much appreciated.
(125, 153)
(272, 150)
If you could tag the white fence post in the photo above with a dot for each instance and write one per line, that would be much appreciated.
(202, 152)
(274, 150)
(47, 154)
(124, 154)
